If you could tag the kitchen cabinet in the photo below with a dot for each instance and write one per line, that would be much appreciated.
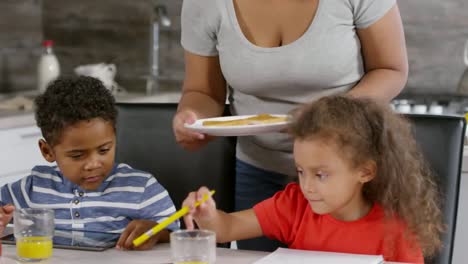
(461, 234)
(19, 152)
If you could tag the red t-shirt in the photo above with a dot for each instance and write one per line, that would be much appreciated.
(288, 217)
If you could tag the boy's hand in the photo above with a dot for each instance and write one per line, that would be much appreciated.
(134, 229)
(6, 213)
(204, 212)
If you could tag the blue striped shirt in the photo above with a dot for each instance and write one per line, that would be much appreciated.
(125, 195)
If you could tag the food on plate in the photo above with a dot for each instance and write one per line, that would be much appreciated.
(254, 120)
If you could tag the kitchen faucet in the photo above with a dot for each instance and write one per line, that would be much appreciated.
(160, 20)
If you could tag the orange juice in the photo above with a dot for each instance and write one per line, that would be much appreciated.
(39, 247)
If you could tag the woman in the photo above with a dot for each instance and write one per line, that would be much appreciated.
(272, 55)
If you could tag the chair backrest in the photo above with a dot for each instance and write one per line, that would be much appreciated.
(441, 139)
(146, 142)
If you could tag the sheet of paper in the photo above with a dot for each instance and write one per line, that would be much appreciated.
(294, 256)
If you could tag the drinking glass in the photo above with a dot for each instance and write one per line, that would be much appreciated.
(193, 247)
(34, 230)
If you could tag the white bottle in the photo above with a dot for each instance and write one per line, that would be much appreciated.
(48, 68)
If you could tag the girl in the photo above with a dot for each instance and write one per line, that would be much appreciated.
(363, 188)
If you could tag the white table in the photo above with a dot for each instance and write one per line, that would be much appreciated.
(160, 254)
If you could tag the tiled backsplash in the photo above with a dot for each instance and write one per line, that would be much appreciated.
(108, 31)
(118, 31)
(20, 33)
(436, 32)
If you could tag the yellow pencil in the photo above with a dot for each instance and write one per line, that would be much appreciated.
(141, 239)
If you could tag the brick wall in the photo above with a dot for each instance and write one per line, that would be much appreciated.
(20, 33)
(118, 31)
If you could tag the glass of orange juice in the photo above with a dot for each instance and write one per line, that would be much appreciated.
(193, 247)
(34, 230)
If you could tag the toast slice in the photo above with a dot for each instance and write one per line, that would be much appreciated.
(254, 120)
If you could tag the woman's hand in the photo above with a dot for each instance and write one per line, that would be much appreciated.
(188, 139)
(203, 214)
(6, 213)
(136, 228)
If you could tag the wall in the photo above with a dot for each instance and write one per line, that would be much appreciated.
(108, 31)
(20, 33)
(172, 57)
(117, 31)
(85, 32)
(436, 32)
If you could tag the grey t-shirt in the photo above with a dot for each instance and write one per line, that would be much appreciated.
(325, 60)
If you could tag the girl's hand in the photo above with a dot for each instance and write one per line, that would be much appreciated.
(6, 213)
(204, 213)
(188, 139)
(134, 229)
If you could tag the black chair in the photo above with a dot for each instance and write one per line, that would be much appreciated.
(441, 140)
(146, 142)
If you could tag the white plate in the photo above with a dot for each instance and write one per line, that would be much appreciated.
(243, 130)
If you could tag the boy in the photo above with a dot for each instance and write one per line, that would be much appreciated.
(86, 189)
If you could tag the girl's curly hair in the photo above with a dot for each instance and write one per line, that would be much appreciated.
(404, 185)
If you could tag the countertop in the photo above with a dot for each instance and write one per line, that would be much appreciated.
(18, 118)
(465, 159)
(13, 119)
(161, 253)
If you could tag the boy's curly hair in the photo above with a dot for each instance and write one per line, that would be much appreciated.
(70, 100)
(404, 185)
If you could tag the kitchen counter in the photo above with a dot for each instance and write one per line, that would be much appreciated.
(465, 159)
(159, 97)
(18, 118)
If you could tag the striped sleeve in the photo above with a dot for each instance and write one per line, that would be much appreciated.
(5, 195)
(156, 204)
(17, 193)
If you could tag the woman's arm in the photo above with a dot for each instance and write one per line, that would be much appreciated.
(204, 90)
(385, 59)
(203, 95)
